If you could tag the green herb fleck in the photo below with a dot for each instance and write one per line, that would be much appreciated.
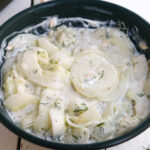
(56, 62)
(68, 69)
(122, 26)
(83, 104)
(107, 35)
(35, 71)
(140, 94)
(148, 96)
(66, 111)
(26, 85)
(101, 75)
(50, 68)
(125, 29)
(57, 105)
(78, 109)
(54, 28)
(133, 104)
(128, 64)
(75, 137)
(51, 61)
(63, 43)
(90, 138)
(148, 148)
(90, 78)
(100, 124)
(115, 109)
(38, 52)
(44, 103)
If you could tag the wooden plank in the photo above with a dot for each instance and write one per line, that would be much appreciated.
(8, 140)
(13, 8)
(141, 142)
(25, 145)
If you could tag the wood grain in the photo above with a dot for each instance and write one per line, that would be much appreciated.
(25, 145)
(8, 140)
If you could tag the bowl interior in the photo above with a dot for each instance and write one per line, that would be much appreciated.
(90, 9)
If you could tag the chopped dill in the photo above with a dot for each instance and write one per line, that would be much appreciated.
(44, 103)
(121, 25)
(100, 124)
(89, 78)
(101, 75)
(140, 94)
(78, 109)
(128, 64)
(50, 68)
(35, 71)
(54, 28)
(107, 35)
(83, 104)
(51, 61)
(148, 96)
(146, 148)
(26, 85)
(75, 137)
(57, 105)
(66, 111)
(134, 110)
(133, 102)
(115, 109)
(63, 43)
(38, 52)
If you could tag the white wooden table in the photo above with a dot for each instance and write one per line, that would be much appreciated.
(9, 141)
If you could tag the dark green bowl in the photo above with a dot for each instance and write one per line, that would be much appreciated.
(91, 9)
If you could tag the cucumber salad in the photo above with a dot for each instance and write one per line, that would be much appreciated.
(75, 85)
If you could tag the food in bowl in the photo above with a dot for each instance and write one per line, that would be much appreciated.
(76, 85)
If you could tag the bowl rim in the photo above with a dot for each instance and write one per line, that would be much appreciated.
(57, 145)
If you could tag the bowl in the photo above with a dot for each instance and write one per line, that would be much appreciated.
(90, 9)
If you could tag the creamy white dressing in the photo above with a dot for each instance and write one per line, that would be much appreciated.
(82, 83)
